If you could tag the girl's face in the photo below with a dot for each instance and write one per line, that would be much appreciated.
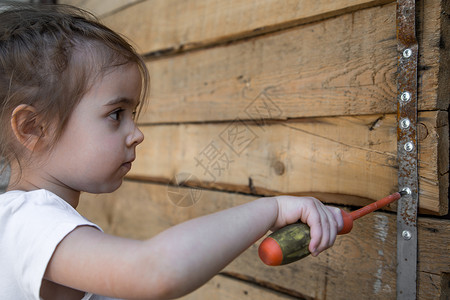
(97, 147)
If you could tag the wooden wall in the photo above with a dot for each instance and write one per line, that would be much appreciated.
(252, 98)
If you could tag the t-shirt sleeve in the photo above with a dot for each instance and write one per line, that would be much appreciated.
(37, 225)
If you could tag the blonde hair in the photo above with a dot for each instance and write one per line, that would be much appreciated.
(50, 55)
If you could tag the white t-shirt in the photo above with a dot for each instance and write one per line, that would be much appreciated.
(32, 224)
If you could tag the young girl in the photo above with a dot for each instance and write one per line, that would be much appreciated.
(70, 89)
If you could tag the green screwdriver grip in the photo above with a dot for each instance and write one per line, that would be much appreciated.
(286, 245)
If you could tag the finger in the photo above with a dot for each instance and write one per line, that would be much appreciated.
(326, 235)
(337, 214)
(320, 229)
(314, 221)
(330, 221)
(332, 228)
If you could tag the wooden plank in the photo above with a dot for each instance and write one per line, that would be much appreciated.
(434, 160)
(224, 288)
(360, 265)
(433, 288)
(173, 25)
(433, 34)
(100, 8)
(340, 66)
(346, 160)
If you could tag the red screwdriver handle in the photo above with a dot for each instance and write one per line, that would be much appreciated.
(348, 222)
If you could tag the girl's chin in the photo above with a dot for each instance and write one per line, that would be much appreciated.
(106, 187)
(126, 167)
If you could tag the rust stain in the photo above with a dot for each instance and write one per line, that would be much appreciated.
(407, 108)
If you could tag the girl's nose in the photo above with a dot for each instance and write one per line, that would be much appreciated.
(135, 137)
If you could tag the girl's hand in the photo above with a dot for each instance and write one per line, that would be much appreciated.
(325, 221)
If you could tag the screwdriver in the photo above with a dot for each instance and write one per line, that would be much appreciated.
(291, 242)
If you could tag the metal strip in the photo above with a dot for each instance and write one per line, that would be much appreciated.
(407, 48)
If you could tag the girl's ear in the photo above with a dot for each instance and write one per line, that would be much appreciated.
(26, 126)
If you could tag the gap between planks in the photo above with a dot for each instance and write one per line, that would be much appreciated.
(264, 284)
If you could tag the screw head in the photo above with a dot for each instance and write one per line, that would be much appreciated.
(405, 123)
(406, 234)
(407, 53)
(409, 146)
(407, 190)
(405, 97)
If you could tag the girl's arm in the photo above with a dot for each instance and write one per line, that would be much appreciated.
(184, 257)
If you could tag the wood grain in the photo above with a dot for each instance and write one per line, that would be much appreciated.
(225, 288)
(101, 8)
(345, 160)
(174, 25)
(340, 66)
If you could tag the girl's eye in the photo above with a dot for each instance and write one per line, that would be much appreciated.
(116, 115)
